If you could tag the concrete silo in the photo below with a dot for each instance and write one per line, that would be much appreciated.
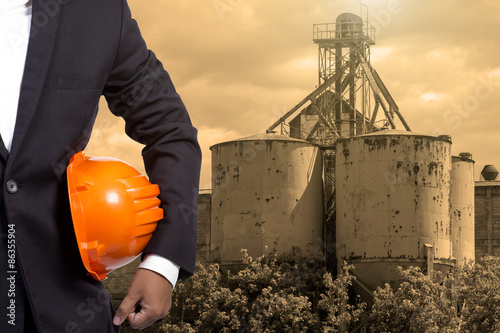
(462, 207)
(393, 203)
(267, 194)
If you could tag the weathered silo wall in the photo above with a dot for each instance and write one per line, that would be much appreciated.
(487, 218)
(203, 226)
(393, 203)
(266, 194)
(462, 208)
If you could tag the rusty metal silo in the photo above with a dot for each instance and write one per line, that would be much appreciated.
(462, 207)
(267, 194)
(393, 203)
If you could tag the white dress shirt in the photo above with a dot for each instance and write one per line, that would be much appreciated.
(15, 23)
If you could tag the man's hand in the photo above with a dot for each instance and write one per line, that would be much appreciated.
(148, 299)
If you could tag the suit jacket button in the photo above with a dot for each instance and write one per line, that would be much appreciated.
(12, 186)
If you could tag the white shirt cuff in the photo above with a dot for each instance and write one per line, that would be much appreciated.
(162, 266)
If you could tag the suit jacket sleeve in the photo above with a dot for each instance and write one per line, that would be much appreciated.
(140, 90)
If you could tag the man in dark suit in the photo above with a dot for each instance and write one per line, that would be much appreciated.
(58, 58)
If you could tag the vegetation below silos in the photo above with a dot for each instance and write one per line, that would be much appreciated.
(272, 294)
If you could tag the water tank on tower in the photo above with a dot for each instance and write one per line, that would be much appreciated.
(349, 25)
(393, 203)
(489, 172)
(267, 194)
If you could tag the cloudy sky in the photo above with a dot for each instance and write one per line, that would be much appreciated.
(241, 64)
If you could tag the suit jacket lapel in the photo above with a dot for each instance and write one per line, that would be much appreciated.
(44, 23)
(4, 153)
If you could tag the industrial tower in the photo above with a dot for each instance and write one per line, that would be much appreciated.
(350, 100)
(350, 93)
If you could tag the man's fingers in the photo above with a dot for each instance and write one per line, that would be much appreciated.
(148, 299)
(142, 319)
(127, 306)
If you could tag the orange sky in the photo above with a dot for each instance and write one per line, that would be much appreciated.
(241, 64)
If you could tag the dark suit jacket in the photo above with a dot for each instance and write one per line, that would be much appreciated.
(79, 50)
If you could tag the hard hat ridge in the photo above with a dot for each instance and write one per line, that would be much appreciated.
(115, 211)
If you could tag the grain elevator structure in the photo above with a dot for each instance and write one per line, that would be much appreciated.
(341, 175)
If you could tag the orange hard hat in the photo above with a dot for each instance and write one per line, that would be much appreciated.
(114, 209)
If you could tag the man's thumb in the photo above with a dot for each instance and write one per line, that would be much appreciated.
(125, 308)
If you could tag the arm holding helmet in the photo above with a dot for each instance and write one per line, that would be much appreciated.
(140, 90)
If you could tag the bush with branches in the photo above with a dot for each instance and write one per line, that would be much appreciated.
(466, 300)
(269, 294)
